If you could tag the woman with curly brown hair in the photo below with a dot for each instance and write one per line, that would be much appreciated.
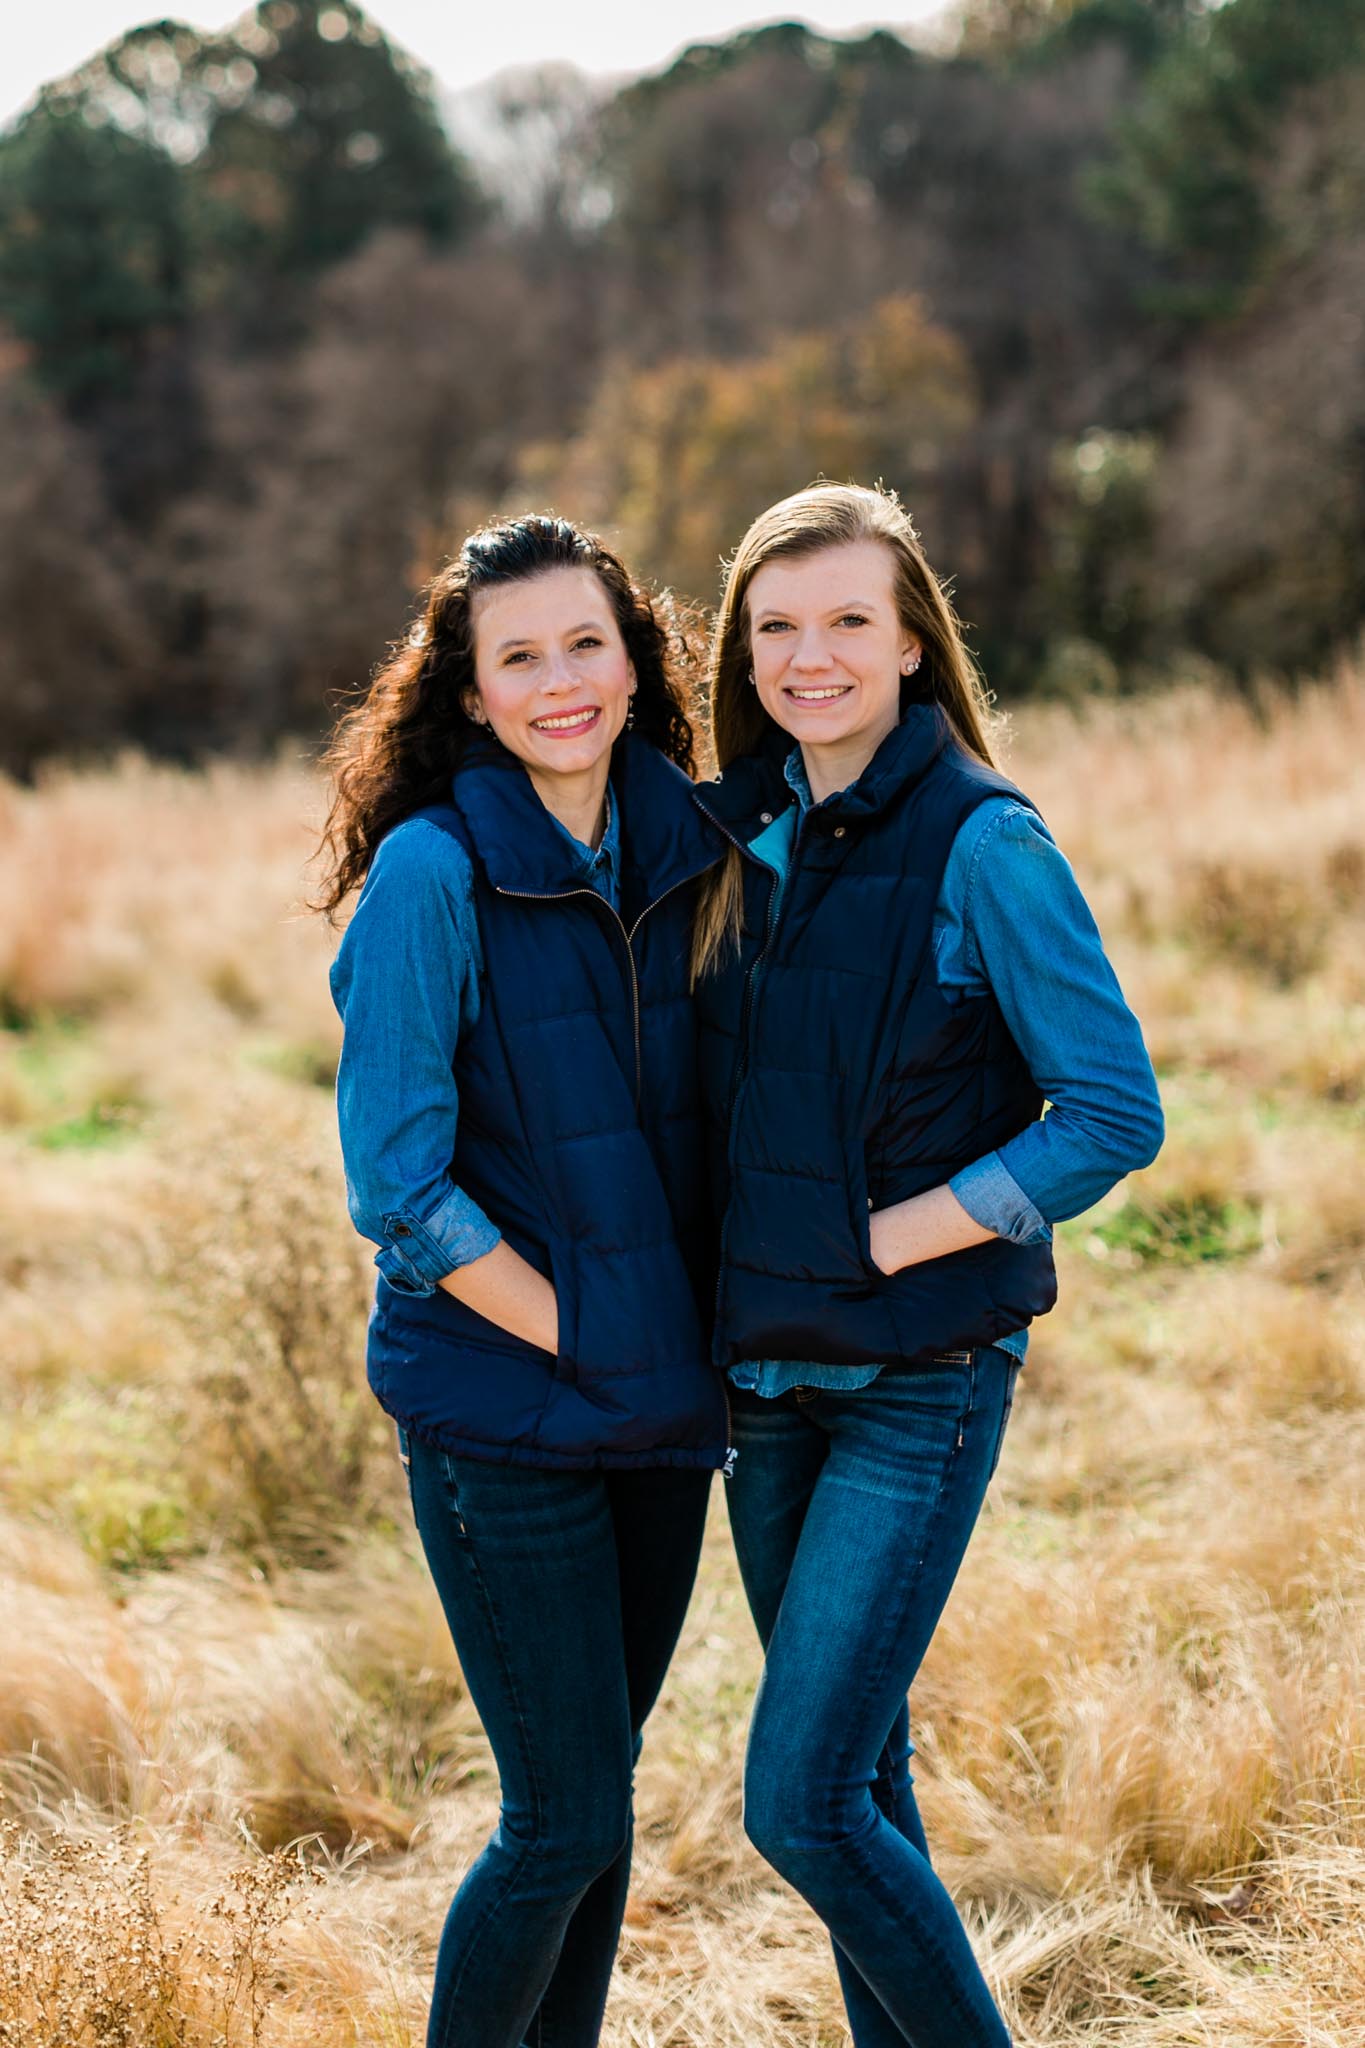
(520, 1125)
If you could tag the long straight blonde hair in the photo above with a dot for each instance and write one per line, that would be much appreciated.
(826, 516)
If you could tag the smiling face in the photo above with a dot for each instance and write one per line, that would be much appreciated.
(552, 676)
(829, 653)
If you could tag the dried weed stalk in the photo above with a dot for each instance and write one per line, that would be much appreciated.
(92, 1956)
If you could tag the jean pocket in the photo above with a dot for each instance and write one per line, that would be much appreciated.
(1005, 1413)
(450, 1491)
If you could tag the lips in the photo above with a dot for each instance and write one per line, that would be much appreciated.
(568, 724)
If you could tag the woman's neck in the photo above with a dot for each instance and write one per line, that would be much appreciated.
(835, 764)
(834, 767)
(578, 802)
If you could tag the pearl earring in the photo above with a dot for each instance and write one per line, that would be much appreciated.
(912, 665)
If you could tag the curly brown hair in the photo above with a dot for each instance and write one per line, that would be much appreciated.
(398, 748)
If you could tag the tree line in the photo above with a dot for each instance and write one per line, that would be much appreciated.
(1089, 291)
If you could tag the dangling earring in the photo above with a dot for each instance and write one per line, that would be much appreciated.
(630, 713)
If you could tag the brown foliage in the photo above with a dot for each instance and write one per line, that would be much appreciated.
(681, 458)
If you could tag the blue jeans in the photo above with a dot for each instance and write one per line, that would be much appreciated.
(851, 1513)
(565, 1593)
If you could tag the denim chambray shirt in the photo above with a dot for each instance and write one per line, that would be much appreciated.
(406, 985)
(1011, 921)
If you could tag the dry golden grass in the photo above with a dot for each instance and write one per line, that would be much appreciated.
(1141, 1729)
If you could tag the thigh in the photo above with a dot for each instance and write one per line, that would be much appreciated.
(524, 1562)
(782, 1451)
(883, 1536)
(659, 1518)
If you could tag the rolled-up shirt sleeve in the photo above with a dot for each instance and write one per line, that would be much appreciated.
(406, 985)
(1027, 933)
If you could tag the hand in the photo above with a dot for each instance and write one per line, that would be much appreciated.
(550, 1340)
(509, 1291)
(538, 1318)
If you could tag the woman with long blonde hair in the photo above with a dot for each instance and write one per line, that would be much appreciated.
(895, 970)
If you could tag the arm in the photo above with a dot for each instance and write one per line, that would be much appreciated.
(928, 1226)
(1026, 932)
(405, 982)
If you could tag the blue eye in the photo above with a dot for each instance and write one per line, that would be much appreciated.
(853, 619)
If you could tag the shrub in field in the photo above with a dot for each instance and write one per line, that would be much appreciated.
(285, 1448)
(1284, 1351)
(1260, 917)
(91, 1956)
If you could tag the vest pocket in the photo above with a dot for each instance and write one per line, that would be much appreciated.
(564, 1281)
(860, 1212)
(631, 1311)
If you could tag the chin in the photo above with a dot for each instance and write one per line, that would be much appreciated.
(569, 760)
(811, 726)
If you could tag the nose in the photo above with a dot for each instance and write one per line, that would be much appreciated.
(559, 675)
(810, 653)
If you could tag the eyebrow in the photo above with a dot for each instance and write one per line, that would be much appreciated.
(848, 604)
(583, 626)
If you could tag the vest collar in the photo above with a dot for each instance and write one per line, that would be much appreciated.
(664, 840)
(757, 782)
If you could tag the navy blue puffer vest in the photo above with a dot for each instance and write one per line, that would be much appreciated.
(580, 1136)
(838, 1078)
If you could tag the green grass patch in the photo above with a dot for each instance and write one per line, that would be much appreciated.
(104, 1122)
(310, 1063)
(1181, 1230)
(56, 1086)
(108, 1471)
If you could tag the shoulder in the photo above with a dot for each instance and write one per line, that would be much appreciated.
(420, 856)
(1005, 866)
(1002, 827)
(421, 881)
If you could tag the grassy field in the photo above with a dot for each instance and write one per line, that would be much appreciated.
(1141, 1729)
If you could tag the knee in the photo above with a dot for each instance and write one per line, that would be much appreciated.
(779, 1807)
(565, 1854)
(798, 1806)
(582, 1861)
